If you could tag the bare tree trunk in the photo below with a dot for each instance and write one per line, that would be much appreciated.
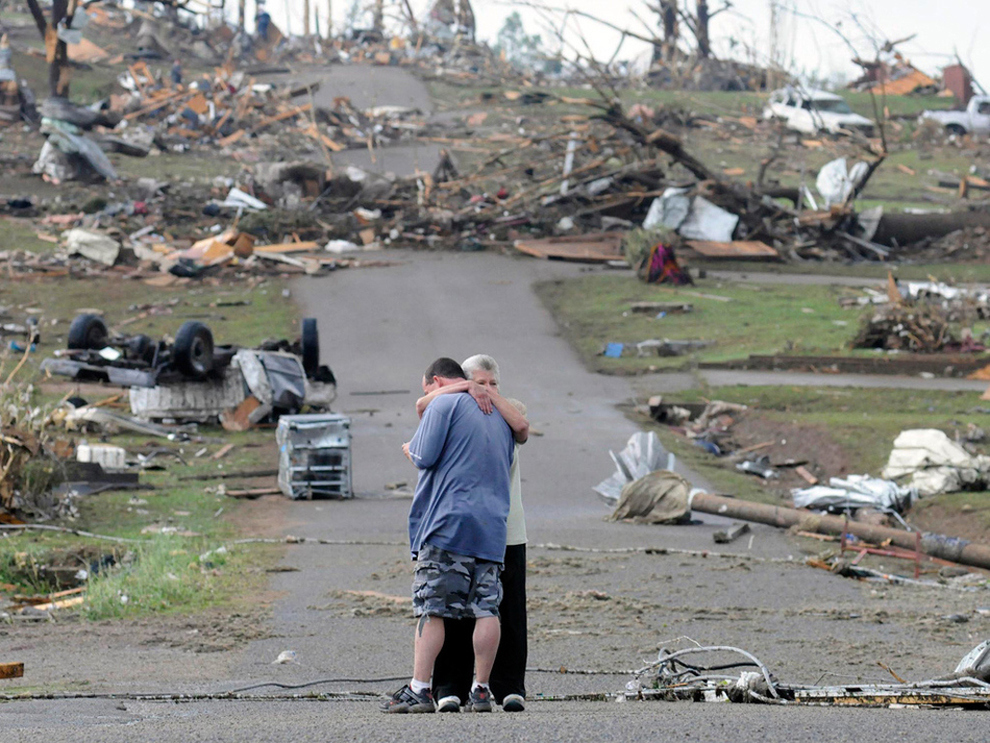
(56, 50)
(379, 16)
(240, 14)
(305, 17)
(671, 33)
(702, 18)
(412, 17)
(329, 19)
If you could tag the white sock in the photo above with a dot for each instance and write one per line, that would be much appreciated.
(419, 686)
(476, 685)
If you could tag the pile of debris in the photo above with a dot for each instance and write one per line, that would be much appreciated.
(701, 674)
(919, 328)
(918, 317)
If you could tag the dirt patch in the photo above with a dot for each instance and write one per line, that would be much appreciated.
(812, 446)
(967, 523)
(264, 517)
(367, 604)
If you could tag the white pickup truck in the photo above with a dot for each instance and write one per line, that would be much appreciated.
(974, 120)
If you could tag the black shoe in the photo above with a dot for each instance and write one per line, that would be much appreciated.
(407, 700)
(480, 700)
(449, 704)
(513, 703)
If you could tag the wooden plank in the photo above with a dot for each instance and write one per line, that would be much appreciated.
(160, 103)
(222, 452)
(741, 249)
(232, 138)
(11, 670)
(731, 534)
(593, 248)
(299, 247)
(804, 473)
(268, 121)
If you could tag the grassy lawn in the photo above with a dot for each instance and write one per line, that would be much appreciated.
(859, 424)
(757, 319)
(163, 572)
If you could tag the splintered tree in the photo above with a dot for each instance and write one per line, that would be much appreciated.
(56, 50)
(666, 50)
(699, 23)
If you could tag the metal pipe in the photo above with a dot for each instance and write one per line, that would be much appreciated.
(934, 545)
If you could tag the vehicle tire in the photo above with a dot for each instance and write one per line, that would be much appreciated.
(88, 332)
(310, 343)
(192, 352)
(956, 129)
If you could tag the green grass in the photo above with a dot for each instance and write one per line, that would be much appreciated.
(948, 272)
(759, 319)
(268, 314)
(21, 234)
(163, 573)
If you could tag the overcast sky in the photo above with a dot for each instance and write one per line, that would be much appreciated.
(943, 28)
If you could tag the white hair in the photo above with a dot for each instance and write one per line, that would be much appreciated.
(481, 362)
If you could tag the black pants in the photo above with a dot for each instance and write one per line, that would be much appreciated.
(453, 671)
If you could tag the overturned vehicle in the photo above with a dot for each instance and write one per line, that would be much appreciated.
(192, 379)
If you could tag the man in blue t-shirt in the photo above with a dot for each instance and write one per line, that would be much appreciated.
(457, 526)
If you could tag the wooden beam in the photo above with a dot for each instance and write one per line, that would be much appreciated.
(11, 670)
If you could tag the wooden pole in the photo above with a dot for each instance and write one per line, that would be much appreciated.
(329, 19)
(935, 545)
(305, 17)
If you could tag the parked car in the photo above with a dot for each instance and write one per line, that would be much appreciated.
(974, 120)
(814, 111)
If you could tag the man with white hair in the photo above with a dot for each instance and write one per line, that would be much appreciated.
(452, 669)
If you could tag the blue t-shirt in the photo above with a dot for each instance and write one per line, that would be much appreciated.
(462, 497)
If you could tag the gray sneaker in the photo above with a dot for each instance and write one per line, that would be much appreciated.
(407, 700)
(480, 700)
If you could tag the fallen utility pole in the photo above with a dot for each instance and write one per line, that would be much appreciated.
(934, 545)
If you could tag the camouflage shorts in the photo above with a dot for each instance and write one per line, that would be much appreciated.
(455, 586)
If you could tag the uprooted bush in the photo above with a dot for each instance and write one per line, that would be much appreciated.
(637, 244)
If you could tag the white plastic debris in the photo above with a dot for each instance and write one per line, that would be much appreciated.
(239, 199)
(107, 456)
(934, 462)
(342, 246)
(93, 245)
(836, 183)
(643, 454)
(669, 210)
(856, 491)
(694, 218)
(286, 656)
(706, 221)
